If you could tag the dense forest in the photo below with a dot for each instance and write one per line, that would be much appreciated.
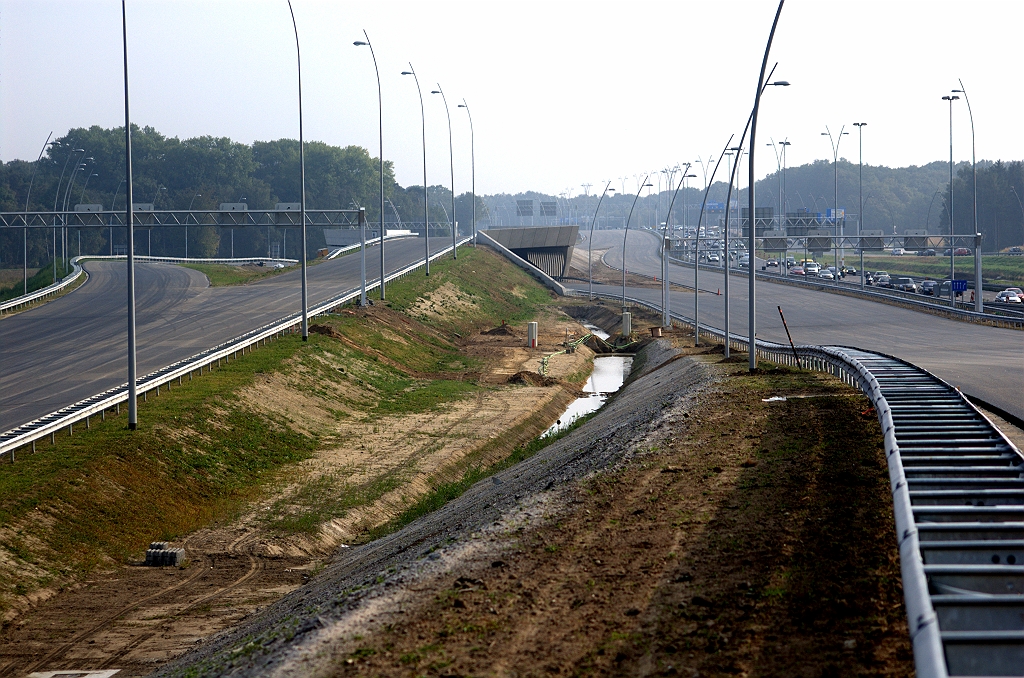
(87, 166)
(895, 199)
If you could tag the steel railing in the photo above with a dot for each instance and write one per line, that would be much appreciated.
(957, 487)
(66, 418)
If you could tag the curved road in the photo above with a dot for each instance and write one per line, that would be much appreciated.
(987, 362)
(77, 346)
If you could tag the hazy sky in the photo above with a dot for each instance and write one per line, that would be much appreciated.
(562, 93)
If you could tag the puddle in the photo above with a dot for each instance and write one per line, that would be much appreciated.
(608, 376)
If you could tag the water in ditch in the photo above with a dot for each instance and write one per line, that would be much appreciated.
(608, 376)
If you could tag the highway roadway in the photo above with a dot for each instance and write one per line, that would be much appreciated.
(983, 361)
(76, 346)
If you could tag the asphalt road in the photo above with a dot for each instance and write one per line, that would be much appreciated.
(77, 346)
(983, 361)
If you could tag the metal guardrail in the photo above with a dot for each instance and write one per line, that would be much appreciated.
(48, 425)
(958, 501)
(60, 285)
(905, 299)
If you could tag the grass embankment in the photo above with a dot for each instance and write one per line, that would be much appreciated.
(1000, 269)
(42, 278)
(223, 274)
(207, 448)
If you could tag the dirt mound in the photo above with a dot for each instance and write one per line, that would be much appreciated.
(325, 330)
(501, 331)
(532, 379)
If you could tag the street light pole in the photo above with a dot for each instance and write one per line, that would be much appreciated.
(978, 304)
(426, 215)
(590, 242)
(199, 195)
(472, 156)
(35, 168)
(952, 248)
(835, 200)
(302, 178)
(625, 235)
(750, 190)
(860, 209)
(380, 117)
(451, 159)
(667, 308)
(133, 396)
(696, 246)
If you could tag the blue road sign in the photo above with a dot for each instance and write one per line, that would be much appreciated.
(959, 285)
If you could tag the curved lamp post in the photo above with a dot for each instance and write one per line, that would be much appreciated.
(590, 243)
(56, 198)
(472, 157)
(751, 183)
(666, 319)
(451, 160)
(641, 187)
(380, 115)
(302, 178)
(978, 304)
(35, 168)
(835, 177)
(199, 195)
(426, 216)
(952, 247)
(696, 245)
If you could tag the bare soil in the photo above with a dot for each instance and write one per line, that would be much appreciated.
(136, 618)
(742, 538)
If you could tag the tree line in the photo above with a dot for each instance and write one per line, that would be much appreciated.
(87, 166)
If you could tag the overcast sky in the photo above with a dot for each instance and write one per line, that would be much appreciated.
(562, 93)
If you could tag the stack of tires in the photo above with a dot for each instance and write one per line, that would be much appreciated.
(159, 554)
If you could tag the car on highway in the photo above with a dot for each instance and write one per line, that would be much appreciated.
(905, 285)
(883, 280)
(714, 258)
(812, 267)
(926, 253)
(850, 270)
(962, 252)
(1015, 290)
(898, 251)
(928, 287)
(772, 263)
(797, 270)
(1007, 297)
(826, 274)
(790, 261)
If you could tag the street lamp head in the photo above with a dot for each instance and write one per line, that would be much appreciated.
(690, 176)
(407, 73)
(435, 91)
(950, 98)
(959, 91)
(360, 43)
(785, 143)
(463, 106)
(860, 124)
(780, 83)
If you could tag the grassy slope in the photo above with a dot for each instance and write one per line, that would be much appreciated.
(41, 279)
(200, 453)
(222, 274)
(1008, 269)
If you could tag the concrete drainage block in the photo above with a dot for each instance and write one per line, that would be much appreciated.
(159, 554)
